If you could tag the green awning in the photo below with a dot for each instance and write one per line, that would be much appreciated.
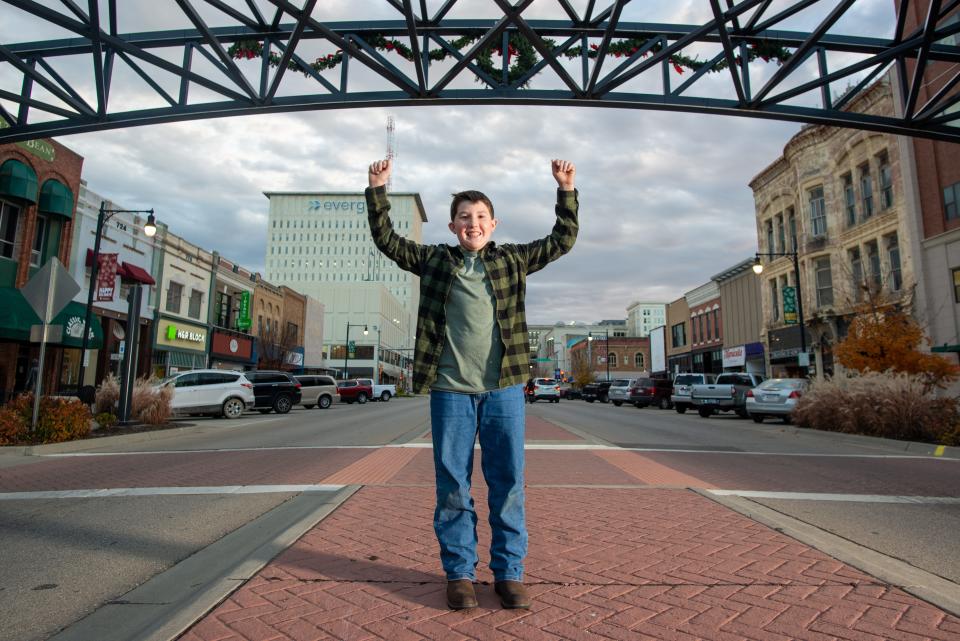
(56, 198)
(18, 180)
(16, 318)
(945, 348)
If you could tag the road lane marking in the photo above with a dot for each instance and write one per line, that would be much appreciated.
(850, 498)
(167, 491)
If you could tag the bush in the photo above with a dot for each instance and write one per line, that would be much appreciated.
(13, 428)
(108, 395)
(59, 419)
(105, 420)
(150, 404)
(889, 405)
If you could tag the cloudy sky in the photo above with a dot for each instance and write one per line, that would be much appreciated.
(664, 197)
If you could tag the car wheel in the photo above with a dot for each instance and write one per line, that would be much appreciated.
(384, 396)
(556, 400)
(605, 399)
(757, 418)
(309, 407)
(664, 403)
(282, 404)
(742, 413)
(264, 410)
(233, 408)
(787, 420)
(324, 402)
(704, 412)
(361, 398)
(618, 403)
(589, 400)
(681, 409)
(639, 406)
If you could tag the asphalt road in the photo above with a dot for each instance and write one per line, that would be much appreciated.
(64, 557)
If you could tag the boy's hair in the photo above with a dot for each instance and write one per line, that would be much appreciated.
(470, 196)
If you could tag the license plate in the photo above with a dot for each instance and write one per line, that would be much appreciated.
(709, 401)
(770, 398)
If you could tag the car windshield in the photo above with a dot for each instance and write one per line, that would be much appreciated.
(782, 383)
(168, 379)
(546, 381)
(620, 382)
(687, 379)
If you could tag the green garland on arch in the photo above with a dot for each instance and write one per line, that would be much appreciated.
(520, 55)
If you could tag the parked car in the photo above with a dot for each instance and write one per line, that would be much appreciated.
(381, 392)
(727, 394)
(354, 391)
(775, 397)
(569, 392)
(619, 391)
(274, 390)
(682, 384)
(318, 391)
(596, 392)
(651, 391)
(210, 391)
(544, 389)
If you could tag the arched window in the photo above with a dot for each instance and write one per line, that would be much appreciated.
(638, 360)
(612, 359)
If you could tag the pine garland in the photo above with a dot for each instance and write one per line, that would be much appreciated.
(519, 50)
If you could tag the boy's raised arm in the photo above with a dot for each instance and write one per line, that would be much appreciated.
(564, 172)
(407, 254)
(379, 173)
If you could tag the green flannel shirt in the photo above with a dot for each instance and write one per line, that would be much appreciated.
(507, 267)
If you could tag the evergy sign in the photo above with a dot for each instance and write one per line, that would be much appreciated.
(338, 205)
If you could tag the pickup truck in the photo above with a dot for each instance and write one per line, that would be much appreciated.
(596, 392)
(353, 390)
(727, 394)
(380, 392)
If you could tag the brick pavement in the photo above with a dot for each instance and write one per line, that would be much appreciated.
(632, 562)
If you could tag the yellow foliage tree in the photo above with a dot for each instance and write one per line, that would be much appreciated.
(582, 372)
(887, 338)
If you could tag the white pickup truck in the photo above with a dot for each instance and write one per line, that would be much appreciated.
(380, 392)
(728, 393)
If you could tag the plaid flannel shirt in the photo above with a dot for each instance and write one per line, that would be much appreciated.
(507, 267)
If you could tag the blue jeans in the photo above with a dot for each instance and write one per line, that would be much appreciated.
(456, 419)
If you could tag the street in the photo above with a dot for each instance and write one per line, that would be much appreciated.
(84, 524)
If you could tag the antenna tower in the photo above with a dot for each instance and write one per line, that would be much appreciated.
(391, 149)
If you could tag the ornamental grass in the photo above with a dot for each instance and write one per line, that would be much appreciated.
(884, 404)
(151, 404)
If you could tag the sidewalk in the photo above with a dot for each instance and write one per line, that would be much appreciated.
(621, 547)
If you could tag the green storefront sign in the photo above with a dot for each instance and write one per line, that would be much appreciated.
(790, 305)
(39, 148)
(243, 320)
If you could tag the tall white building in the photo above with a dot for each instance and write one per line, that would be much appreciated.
(643, 317)
(319, 243)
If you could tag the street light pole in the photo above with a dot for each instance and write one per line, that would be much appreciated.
(758, 269)
(104, 215)
(346, 347)
(606, 346)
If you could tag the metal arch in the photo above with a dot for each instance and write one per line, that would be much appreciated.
(587, 45)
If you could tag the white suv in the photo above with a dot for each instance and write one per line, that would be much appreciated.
(210, 391)
(546, 389)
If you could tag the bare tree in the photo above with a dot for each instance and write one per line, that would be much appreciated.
(275, 343)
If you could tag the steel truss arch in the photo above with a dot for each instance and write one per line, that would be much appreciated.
(247, 61)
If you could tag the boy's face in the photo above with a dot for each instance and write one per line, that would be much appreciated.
(473, 225)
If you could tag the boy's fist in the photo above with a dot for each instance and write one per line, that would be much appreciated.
(564, 172)
(379, 173)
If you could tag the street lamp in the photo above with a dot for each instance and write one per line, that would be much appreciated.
(758, 269)
(376, 362)
(105, 214)
(346, 347)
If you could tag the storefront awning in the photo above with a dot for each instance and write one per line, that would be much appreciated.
(16, 318)
(945, 348)
(18, 180)
(130, 272)
(56, 198)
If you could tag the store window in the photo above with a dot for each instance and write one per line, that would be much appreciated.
(9, 216)
(174, 294)
(638, 361)
(39, 241)
(196, 298)
(951, 200)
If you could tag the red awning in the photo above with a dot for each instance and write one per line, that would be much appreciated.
(129, 271)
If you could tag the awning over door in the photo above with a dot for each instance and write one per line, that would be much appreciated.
(18, 180)
(16, 318)
(56, 198)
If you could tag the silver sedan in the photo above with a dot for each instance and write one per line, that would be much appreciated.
(775, 397)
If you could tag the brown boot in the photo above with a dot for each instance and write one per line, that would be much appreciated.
(513, 594)
(460, 595)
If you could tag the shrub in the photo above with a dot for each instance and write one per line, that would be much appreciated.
(150, 404)
(59, 419)
(889, 405)
(13, 428)
(108, 395)
(105, 420)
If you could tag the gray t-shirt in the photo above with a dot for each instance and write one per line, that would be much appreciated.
(472, 349)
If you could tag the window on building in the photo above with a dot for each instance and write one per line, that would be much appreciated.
(39, 241)
(818, 212)
(196, 297)
(824, 281)
(873, 259)
(174, 293)
(886, 180)
(9, 216)
(856, 273)
(893, 256)
(866, 191)
(701, 328)
(222, 310)
(849, 199)
(792, 218)
(638, 361)
(716, 323)
(612, 359)
(693, 330)
(774, 299)
(951, 200)
(770, 247)
(781, 235)
(706, 318)
(679, 335)
(956, 285)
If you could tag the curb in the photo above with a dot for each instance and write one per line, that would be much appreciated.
(85, 444)
(167, 605)
(914, 447)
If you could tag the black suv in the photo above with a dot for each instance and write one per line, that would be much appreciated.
(652, 391)
(274, 390)
(598, 391)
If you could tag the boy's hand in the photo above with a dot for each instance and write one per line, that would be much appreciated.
(379, 173)
(564, 172)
